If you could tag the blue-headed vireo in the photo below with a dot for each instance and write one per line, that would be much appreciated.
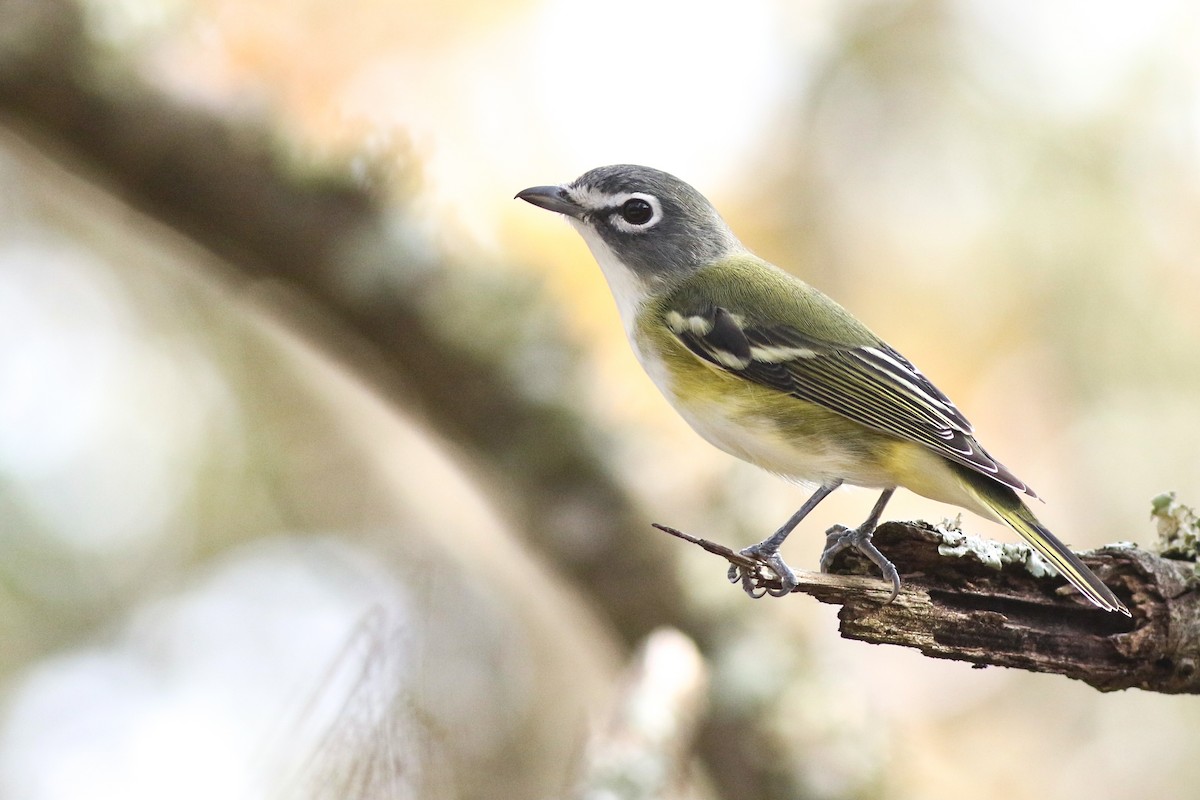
(770, 370)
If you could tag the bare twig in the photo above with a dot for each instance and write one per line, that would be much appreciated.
(826, 587)
(957, 605)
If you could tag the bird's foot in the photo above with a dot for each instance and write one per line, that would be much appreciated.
(839, 538)
(751, 577)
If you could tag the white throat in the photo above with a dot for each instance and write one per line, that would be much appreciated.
(627, 288)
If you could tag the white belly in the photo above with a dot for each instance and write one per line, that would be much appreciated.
(805, 459)
(755, 438)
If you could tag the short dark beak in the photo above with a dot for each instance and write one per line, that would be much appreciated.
(551, 198)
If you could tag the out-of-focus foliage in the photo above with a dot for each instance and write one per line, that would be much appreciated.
(228, 567)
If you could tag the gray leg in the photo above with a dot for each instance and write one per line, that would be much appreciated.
(840, 538)
(767, 551)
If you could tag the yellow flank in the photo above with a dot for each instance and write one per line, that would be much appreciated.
(773, 430)
(793, 438)
(920, 470)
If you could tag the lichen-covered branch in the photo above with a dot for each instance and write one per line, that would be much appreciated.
(960, 602)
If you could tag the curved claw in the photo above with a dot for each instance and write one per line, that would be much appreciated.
(782, 591)
(840, 537)
(751, 581)
(837, 539)
(890, 572)
(787, 578)
(746, 577)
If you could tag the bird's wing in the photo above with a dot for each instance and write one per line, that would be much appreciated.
(870, 383)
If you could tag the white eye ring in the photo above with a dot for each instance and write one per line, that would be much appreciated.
(620, 223)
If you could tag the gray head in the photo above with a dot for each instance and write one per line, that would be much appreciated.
(651, 222)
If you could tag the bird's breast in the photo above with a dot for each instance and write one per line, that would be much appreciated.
(773, 430)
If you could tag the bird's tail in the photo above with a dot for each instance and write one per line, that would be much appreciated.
(1007, 505)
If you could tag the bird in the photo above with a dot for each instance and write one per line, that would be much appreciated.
(772, 371)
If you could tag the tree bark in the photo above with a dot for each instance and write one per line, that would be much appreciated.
(961, 608)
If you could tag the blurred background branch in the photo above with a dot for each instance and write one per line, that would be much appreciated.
(318, 233)
(643, 750)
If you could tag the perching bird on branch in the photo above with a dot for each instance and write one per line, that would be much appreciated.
(770, 370)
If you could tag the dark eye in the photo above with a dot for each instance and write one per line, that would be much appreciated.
(636, 211)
